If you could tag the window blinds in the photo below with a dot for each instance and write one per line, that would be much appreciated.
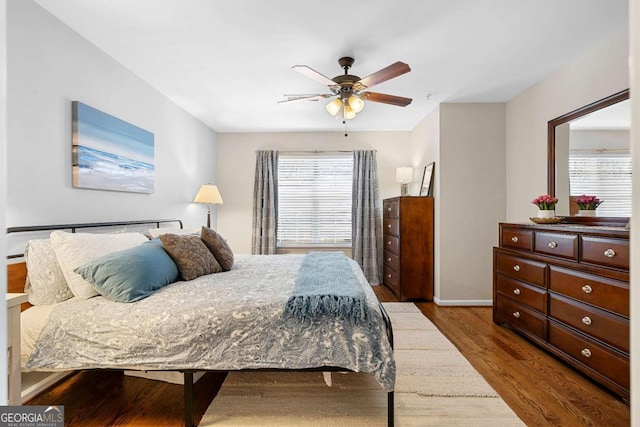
(314, 199)
(606, 176)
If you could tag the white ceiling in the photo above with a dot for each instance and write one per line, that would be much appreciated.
(229, 62)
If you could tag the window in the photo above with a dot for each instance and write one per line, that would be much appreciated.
(314, 199)
(607, 176)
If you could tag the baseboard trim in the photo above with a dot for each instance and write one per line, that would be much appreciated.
(462, 302)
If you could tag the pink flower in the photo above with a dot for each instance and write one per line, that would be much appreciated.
(545, 202)
(588, 202)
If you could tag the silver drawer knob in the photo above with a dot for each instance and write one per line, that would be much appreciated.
(553, 245)
(514, 239)
(516, 267)
(516, 291)
(388, 209)
(609, 253)
(516, 314)
(389, 259)
(586, 320)
(388, 225)
(586, 352)
(389, 242)
(389, 276)
(587, 289)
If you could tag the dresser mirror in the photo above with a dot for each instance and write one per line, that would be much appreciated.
(588, 153)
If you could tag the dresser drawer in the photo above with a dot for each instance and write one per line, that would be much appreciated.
(522, 318)
(528, 295)
(391, 243)
(391, 209)
(604, 326)
(605, 293)
(391, 278)
(607, 362)
(391, 260)
(521, 269)
(556, 244)
(391, 226)
(517, 239)
(606, 251)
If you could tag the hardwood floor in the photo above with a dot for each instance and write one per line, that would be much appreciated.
(539, 388)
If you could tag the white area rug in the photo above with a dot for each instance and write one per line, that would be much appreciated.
(435, 386)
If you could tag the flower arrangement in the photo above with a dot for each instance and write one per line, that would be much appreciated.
(545, 202)
(588, 203)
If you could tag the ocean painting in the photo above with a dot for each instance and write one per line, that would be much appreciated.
(109, 153)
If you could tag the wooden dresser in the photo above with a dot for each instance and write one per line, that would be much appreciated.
(408, 247)
(566, 288)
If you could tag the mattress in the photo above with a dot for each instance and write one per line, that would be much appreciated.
(224, 321)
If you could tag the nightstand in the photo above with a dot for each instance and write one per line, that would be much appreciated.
(13, 345)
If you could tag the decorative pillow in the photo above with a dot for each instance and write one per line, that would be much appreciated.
(45, 282)
(190, 255)
(157, 232)
(131, 274)
(76, 249)
(218, 247)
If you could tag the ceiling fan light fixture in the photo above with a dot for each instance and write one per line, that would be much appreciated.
(334, 106)
(348, 112)
(356, 103)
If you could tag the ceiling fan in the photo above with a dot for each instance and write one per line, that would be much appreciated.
(351, 91)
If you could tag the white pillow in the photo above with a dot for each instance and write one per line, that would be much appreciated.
(157, 232)
(45, 282)
(76, 249)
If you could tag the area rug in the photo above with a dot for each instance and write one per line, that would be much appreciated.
(435, 386)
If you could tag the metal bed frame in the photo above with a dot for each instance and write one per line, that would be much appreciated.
(188, 374)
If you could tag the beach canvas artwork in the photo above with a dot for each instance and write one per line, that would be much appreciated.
(109, 153)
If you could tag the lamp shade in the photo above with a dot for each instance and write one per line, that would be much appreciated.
(334, 106)
(208, 193)
(404, 174)
(356, 103)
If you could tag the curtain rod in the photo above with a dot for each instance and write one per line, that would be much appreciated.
(315, 151)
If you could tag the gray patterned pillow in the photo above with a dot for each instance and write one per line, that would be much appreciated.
(45, 282)
(218, 247)
(190, 255)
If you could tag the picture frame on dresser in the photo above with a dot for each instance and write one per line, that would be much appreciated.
(426, 188)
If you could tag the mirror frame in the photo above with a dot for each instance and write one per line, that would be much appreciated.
(551, 155)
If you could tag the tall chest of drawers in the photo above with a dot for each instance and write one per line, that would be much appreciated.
(566, 288)
(408, 247)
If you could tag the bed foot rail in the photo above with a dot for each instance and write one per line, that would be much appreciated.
(188, 399)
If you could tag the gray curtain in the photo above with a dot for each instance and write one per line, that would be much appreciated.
(366, 219)
(263, 239)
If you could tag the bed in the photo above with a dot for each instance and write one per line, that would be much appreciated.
(238, 319)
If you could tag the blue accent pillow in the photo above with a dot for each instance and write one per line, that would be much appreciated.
(131, 274)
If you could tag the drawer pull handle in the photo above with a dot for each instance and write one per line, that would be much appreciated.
(389, 276)
(389, 209)
(586, 320)
(553, 245)
(514, 239)
(586, 352)
(389, 242)
(516, 267)
(587, 289)
(388, 225)
(609, 253)
(389, 259)
(516, 314)
(516, 291)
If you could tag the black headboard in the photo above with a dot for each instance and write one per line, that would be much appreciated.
(82, 226)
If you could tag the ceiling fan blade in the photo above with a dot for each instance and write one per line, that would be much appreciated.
(295, 98)
(386, 99)
(387, 73)
(313, 74)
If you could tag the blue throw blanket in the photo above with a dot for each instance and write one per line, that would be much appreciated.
(326, 285)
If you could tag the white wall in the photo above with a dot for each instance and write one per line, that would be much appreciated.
(471, 200)
(49, 65)
(236, 168)
(593, 75)
(3, 197)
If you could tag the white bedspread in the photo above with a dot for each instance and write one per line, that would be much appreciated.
(224, 321)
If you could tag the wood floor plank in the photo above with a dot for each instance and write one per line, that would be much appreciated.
(539, 388)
